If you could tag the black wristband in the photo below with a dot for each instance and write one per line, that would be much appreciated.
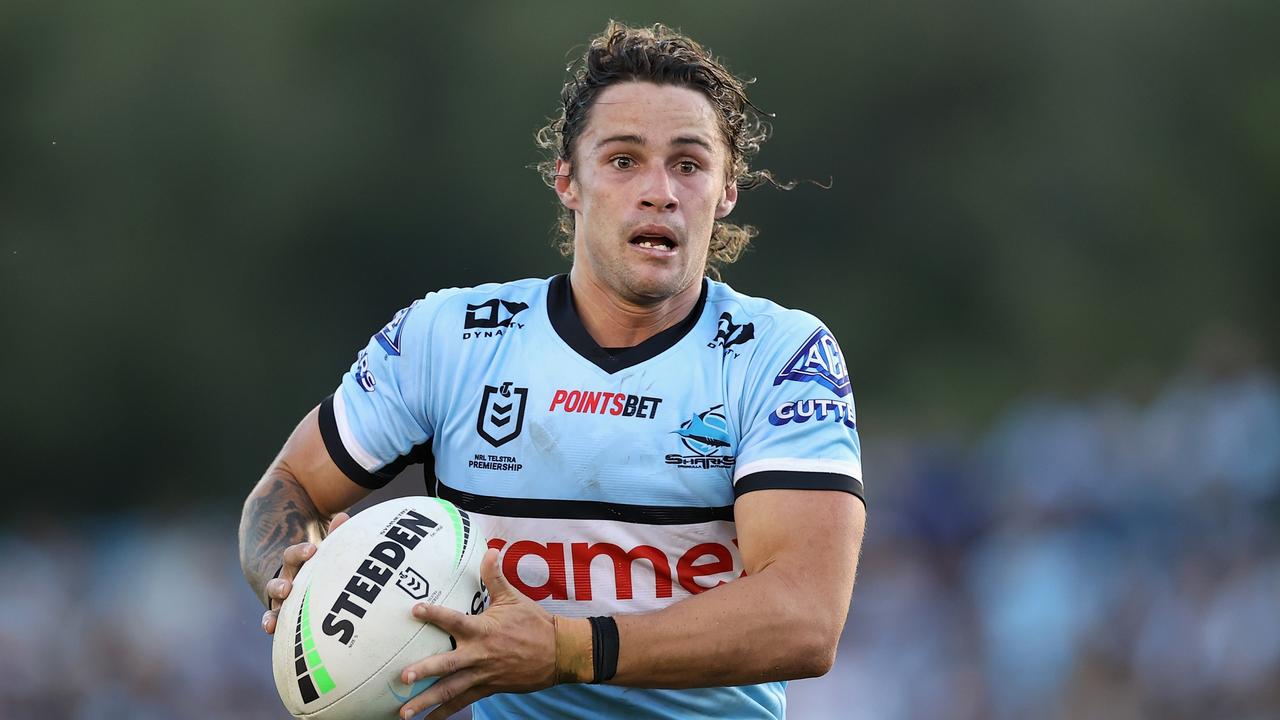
(604, 648)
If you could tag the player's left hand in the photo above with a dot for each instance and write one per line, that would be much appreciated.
(511, 647)
(278, 588)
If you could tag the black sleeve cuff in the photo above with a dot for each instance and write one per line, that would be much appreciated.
(793, 480)
(343, 459)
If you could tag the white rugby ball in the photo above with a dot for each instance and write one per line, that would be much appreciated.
(347, 629)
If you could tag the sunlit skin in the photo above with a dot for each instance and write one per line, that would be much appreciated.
(652, 160)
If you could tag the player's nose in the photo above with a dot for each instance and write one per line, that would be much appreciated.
(658, 191)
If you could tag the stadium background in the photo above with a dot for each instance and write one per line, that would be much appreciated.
(1049, 252)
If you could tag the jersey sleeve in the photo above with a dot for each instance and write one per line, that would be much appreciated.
(376, 423)
(798, 425)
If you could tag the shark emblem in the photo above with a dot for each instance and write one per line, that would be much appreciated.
(697, 429)
(705, 433)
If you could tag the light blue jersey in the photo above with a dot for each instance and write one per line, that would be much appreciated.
(605, 478)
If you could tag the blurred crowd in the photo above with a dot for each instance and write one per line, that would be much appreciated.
(1115, 555)
(1110, 556)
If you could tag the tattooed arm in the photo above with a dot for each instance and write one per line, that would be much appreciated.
(295, 504)
(278, 513)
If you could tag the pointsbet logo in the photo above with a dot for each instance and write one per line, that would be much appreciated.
(604, 403)
(568, 568)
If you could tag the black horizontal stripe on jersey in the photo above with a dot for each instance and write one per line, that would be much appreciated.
(352, 469)
(582, 509)
(795, 480)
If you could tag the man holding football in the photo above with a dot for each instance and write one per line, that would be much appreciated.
(668, 471)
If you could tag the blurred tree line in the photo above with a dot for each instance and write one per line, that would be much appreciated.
(206, 209)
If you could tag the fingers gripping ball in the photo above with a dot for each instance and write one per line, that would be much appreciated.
(347, 628)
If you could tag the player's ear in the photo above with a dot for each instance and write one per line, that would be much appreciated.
(728, 200)
(566, 185)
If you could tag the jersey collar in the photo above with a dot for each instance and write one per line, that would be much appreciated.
(567, 324)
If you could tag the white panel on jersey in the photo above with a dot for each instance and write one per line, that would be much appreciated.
(358, 453)
(840, 467)
(592, 567)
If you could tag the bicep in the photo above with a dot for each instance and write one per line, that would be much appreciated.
(812, 536)
(305, 458)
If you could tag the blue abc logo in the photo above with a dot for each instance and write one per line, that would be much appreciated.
(818, 360)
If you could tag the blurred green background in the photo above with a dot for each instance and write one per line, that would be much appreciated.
(207, 208)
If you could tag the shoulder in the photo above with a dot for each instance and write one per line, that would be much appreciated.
(487, 305)
(525, 291)
(784, 344)
(770, 322)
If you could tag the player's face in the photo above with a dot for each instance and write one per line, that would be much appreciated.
(648, 181)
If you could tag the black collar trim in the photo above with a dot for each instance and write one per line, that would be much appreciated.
(564, 318)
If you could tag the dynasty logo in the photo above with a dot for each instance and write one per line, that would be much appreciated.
(492, 318)
(704, 434)
(729, 334)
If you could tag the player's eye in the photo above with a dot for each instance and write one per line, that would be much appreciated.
(687, 167)
(622, 162)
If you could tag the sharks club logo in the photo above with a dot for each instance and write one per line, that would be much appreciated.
(706, 435)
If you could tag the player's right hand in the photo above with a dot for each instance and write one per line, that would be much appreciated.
(294, 556)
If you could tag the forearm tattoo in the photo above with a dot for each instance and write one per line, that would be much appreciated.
(277, 514)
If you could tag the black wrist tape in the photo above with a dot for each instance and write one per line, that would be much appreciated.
(604, 648)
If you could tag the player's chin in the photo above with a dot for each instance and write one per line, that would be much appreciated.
(669, 275)
(655, 284)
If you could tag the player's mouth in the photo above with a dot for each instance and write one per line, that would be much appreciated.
(655, 240)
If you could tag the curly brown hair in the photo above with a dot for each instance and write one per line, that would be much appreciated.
(661, 55)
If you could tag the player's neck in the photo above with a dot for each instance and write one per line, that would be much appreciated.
(614, 322)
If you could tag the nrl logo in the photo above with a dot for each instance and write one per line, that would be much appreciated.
(412, 583)
(501, 413)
